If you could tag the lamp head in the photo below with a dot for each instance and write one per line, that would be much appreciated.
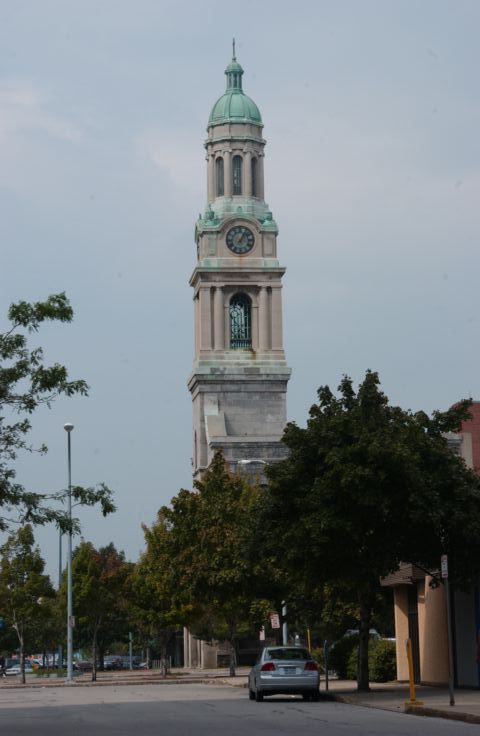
(68, 427)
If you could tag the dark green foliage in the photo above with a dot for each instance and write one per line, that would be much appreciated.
(100, 594)
(26, 383)
(24, 591)
(366, 486)
(212, 571)
(340, 655)
(382, 661)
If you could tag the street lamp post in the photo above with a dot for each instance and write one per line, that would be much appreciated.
(68, 429)
(60, 653)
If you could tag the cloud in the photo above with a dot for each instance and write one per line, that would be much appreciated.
(25, 109)
(176, 154)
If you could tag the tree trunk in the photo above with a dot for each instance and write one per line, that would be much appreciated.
(94, 653)
(22, 660)
(363, 680)
(233, 653)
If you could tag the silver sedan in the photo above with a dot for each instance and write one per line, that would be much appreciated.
(284, 671)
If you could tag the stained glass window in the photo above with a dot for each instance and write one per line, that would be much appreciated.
(240, 322)
(237, 174)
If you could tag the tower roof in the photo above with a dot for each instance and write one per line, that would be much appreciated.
(234, 106)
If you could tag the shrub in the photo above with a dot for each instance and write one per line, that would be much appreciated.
(339, 656)
(382, 661)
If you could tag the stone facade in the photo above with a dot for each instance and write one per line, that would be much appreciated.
(239, 377)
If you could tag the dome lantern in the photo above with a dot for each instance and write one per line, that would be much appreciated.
(234, 106)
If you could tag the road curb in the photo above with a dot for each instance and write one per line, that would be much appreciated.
(115, 683)
(416, 710)
(421, 710)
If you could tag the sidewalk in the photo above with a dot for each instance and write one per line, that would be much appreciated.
(395, 696)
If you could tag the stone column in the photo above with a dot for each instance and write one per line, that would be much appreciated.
(263, 319)
(260, 176)
(218, 319)
(277, 329)
(227, 158)
(211, 177)
(196, 302)
(247, 174)
(205, 319)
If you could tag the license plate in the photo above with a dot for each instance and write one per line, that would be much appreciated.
(290, 670)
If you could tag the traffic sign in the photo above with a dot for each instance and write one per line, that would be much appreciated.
(275, 621)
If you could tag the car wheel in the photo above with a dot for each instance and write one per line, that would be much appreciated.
(307, 696)
(258, 696)
(251, 694)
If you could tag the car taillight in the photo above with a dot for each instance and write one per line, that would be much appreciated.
(311, 666)
(267, 667)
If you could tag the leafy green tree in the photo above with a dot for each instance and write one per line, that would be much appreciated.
(153, 610)
(24, 590)
(26, 383)
(366, 486)
(213, 566)
(99, 580)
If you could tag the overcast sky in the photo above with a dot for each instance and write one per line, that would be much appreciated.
(372, 119)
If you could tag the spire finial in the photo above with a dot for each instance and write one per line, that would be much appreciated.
(234, 58)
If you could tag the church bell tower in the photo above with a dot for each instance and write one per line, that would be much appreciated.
(239, 378)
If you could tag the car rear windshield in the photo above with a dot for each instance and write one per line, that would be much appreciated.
(288, 653)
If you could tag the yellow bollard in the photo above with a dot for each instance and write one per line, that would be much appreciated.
(413, 700)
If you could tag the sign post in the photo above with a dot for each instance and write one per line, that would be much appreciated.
(444, 571)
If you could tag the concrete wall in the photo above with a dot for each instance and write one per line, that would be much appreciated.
(432, 627)
(401, 630)
(466, 640)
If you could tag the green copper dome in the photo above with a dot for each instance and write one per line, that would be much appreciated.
(234, 106)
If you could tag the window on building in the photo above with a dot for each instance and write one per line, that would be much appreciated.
(237, 174)
(240, 321)
(254, 177)
(219, 176)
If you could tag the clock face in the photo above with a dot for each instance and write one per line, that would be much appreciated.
(240, 240)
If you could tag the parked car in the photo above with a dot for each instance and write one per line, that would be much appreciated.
(15, 669)
(284, 671)
(112, 662)
(83, 665)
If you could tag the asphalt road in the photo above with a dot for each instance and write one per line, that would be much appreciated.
(197, 710)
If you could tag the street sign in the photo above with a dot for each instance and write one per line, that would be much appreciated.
(262, 634)
(444, 565)
(275, 621)
(71, 621)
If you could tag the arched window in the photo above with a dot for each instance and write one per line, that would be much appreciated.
(219, 176)
(237, 174)
(254, 177)
(240, 322)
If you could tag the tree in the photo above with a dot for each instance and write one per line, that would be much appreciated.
(99, 601)
(367, 486)
(24, 589)
(26, 383)
(153, 609)
(214, 570)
